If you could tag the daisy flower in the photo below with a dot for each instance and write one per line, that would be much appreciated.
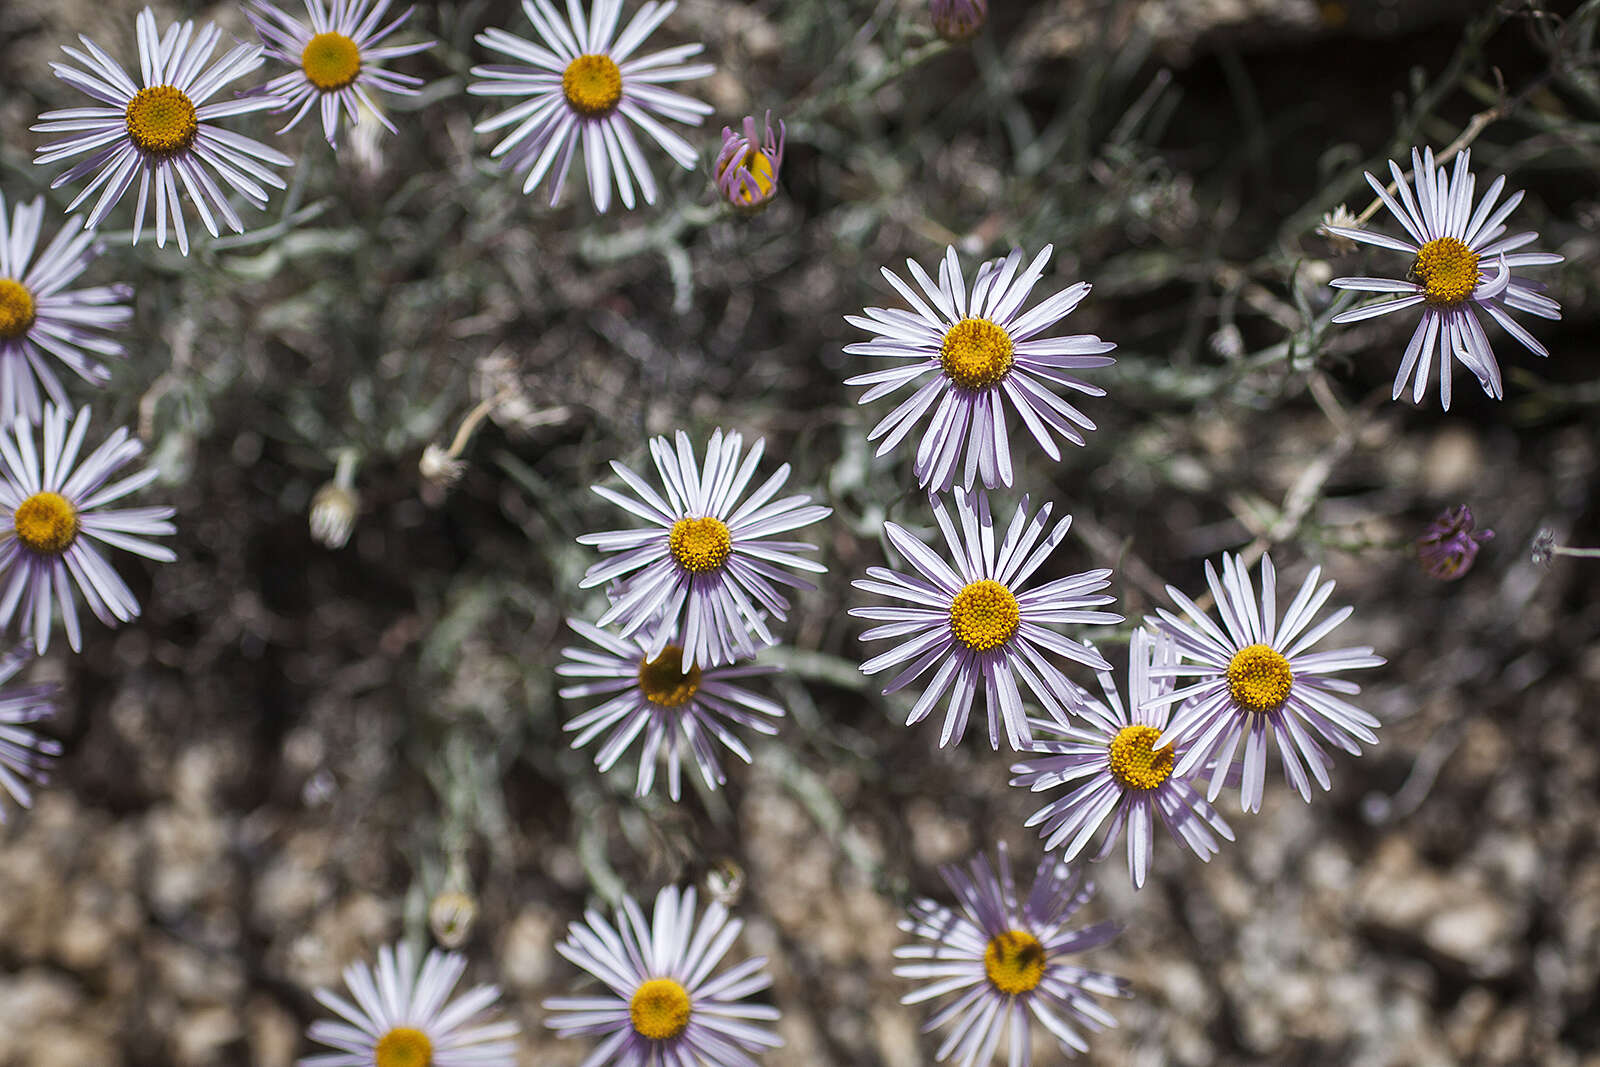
(1461, 260)
(403, 1017)
(707, 565)
(51, 514)
(1258, 679)
(667, 702)
(972, 352)
(747, 166)
(1008, 958)
(582, 84)
(336, 59)
(163, 133)
(663, 1005)
(39, 320)
(972, 619)
(1117, 771)
(24, 755)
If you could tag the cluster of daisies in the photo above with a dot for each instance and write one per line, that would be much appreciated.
(693, 594)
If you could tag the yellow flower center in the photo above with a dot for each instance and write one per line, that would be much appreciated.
(1447, 270)
(404, 1047)
(16, 309)
(331, 61)
(1014, 962)
(976, 353)
(984, 615)
(1259, 678)
(659, 1010)
(592, 85)
(1135, 763)
(46, 523)
(760, 170)
(664, 682)
(161, 120)
(700, 545)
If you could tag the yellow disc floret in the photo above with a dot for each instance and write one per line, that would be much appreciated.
(161, 120)
(592, 85)
(1447, 270)
(1014, 962)
(46, 523)
(984, 615)
(664, 682)
(1135, 761)
(659, 1010)
(16, 309)
(1259, 678)
(331, 61)
(700, 545)
(976, 354)
(404, 1047)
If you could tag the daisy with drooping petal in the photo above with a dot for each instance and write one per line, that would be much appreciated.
(163, 134)
(1460, 260)
(1259, 680)
(336, 59)
(664, 1007)
(971, 618)
(39, 320)
(24, 756)
(50, 514)
(1117, 771)
(747, 166)
(974, 352)
(1008, 958)
(401, 1016)
(707, 567)
(670, 704)
(584, 85)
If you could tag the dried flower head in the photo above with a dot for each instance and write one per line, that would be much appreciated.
(747, 167)
(333, 514)
(1448, 546)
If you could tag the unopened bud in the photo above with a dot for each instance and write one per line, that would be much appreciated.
(451, 917)
(333, 514)
(1448, 546)
(959, 20)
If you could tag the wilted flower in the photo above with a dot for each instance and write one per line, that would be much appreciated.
(401, 1017)
(972, 619)
(1337, 219)
(336, 59)
(1008, 957)
(24, 755)
(1259, 681)
(51, 514)
(1452, 240)
(333, 514)
(583, 85)
(1448, 546)
(664, 1007)
(747, 167)
(164, 132)
(958, 20)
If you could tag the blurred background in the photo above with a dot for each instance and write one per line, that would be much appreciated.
(299, 748)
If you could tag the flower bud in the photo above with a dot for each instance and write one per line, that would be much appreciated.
(747, 168)
(959, 20)
(1448, 546)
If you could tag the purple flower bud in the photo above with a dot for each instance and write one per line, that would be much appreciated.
(1448, 546)
(959, 20)
(747, 168)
